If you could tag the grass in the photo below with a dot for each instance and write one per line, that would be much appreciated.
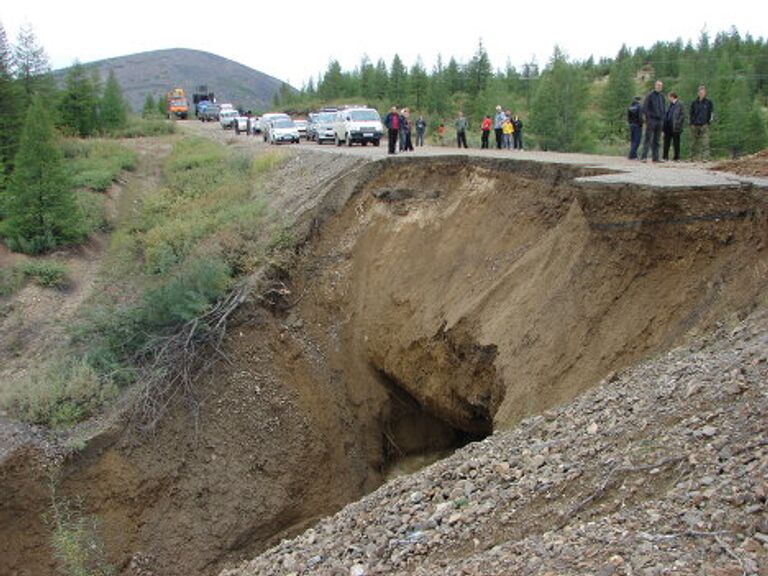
(139, 127)
(178, 250)
(45, 273)
(94, 164)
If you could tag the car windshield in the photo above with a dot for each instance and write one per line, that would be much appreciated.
(283, 124)
(229, 113)
(359, 115)
(327, 117)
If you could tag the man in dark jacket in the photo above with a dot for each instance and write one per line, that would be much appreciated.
(635, 120)
(702, 111)
(673, 126)
(654, 108)
(392, 122)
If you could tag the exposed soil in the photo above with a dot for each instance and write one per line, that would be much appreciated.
(433, 302)
(752, 165)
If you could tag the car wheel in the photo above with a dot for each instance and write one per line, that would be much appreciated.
(376, 142)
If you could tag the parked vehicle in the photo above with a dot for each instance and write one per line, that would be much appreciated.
(361, 125)
(323, 127)
(282, 130)
(266, 119)
(227, 118)
(201, 98)
(301, 126)
(177, 104)
(240, 124)
(209, 113)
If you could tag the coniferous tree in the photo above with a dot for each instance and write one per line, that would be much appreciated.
(33, 71)
(418, 84)
(380, 80)
(40, 207)
(149, 109)
(557, 110)
(478, 72)
(10, 114)
(114, 110)
(79, 103)
(617, 96)
(398, 81)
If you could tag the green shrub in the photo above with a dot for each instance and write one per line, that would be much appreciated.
(95, 164)
(93, 210)
(46, 273)
(77, 546)
(60, 394)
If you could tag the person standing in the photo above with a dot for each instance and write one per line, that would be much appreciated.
(441, 134)
(673, 126)
(517, 135)
(461, 130)
(485, 131)
(421, 128)
(498, 121)
(508, 129)
(392, 122)
(702, 111)
(635, 120)
(654, 109)
(406, 128)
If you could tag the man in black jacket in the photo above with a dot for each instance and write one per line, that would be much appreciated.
(702, 110)
(673, 126)
(635, 120)
(655, 109)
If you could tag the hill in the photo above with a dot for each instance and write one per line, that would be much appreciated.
(158, 71)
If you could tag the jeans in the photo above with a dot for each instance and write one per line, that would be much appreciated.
(635, 135)
(419, 137)
(484, 139)
(461, 139)
(518, 139)
(652, 137)
(499, 137)
(508, 141)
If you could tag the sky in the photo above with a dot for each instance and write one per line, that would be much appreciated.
(296, 41)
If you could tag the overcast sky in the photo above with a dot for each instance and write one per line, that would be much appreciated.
(296, 40)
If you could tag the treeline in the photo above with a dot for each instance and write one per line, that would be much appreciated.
(568, 105)
(38, 207)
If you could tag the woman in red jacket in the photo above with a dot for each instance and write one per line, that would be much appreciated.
(486, 130)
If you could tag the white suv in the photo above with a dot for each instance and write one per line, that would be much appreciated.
(361, 125)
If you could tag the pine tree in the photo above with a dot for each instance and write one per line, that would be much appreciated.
(617, 97)
(10, 115)
(41, 211)
(380, 80)
(114, 110)
(557, 110)
(478, 72)
(332, 84)
(398, 81)
(419, 83)
(150, 107)
(79, 103)
(33, 71)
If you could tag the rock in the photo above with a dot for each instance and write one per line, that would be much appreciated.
(592, 428)
(358, 570)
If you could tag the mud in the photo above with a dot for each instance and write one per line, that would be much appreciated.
(432, 302)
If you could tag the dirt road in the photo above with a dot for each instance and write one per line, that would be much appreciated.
(605, 169)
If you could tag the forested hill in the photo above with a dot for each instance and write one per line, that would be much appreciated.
(158, 71)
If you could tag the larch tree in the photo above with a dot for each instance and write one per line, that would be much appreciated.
(40, 205)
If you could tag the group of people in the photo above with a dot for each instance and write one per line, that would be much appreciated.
(669, 120)
(507, 127)
(400, 127)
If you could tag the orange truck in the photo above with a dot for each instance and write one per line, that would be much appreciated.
(177, 104)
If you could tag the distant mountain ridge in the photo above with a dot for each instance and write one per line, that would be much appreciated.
(158, 71)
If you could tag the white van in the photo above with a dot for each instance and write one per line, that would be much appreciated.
(360, 125)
